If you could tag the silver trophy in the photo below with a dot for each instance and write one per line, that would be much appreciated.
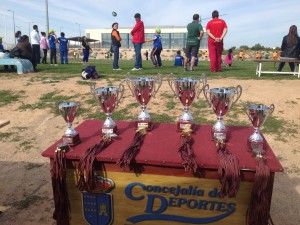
(186, 89)
(108, 97)
(143, 88)
(221, 100)
(258, 114)
(68, 111)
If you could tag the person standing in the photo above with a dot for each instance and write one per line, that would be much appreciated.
(44, 46)
(52, 44)
(216, 30)
(86, 50)
(157, 48)
(290, 47)
(116, 44)
(63, 48)
(35, 44)
(138, 38)
(194, 35)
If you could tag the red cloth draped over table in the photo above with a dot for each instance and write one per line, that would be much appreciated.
(160, 146)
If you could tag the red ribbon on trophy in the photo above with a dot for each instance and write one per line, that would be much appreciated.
(186, 151)
(59, 185)
(229, 171)
(260, 202)
(131, 152)
(85, 169)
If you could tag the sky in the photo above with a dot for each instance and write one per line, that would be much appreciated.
(249, 22)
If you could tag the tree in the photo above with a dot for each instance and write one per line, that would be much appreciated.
(244, 47)
(257, 47)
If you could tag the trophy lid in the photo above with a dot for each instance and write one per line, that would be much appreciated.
(223, 90)
(106, 90)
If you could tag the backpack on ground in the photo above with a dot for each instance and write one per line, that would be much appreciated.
(89, 72)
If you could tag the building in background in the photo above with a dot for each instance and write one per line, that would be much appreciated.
(173, 37)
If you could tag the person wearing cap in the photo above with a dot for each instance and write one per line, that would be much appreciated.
(194, 35)
(138, 38)
(115, 44)
(157, 48)
(63, 48)
(216, 30)
(52, 44)
(35, 44)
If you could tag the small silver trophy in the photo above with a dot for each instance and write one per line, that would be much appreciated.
(108, 98)
(143, 88)
(221, 100)
(258, 114)
(186, 89)
(68, 111)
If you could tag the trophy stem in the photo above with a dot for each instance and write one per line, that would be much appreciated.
(219, 130)
(69, 125)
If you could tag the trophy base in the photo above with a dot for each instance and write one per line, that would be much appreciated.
(110, 131)
(144, 125)
(184, 126)
(71, 141)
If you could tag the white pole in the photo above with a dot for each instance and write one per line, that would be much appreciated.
(47, 18)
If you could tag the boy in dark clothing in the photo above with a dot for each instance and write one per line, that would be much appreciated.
(157, 48)
(179, 60)
(86, 50)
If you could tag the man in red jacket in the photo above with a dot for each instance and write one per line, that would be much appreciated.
(216, 30)
(138, 38)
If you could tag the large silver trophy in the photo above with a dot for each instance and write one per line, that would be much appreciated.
(258, 114)
(143, 88)
(186, 89)
(108, 98)
(221, 100)
(68, 111)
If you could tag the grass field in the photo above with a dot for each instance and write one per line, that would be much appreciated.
(239, 70)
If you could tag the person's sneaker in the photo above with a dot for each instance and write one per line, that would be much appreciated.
(135, 69)
(55, 64)
(118, 69)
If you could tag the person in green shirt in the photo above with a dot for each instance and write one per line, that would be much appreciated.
(194, 35)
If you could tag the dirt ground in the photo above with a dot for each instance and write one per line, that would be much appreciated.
(26, 195)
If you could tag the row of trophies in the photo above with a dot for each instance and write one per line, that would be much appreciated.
(185, 89)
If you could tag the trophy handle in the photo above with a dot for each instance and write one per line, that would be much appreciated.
(120, 93)
(272, 107)
(128, 82)
(92, 88)
(205, 92)
(157, 84)
(203, 81)
(239, 91)
(246, 110)
(170, 80)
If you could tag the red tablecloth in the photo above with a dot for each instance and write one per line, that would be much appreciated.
(161, 146)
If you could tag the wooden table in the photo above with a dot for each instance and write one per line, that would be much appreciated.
(160, 191)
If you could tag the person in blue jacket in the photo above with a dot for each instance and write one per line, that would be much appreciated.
(52, 45)
(63, 48)
(179, 60)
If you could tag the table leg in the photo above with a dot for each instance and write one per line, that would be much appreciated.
(259, 69)
(298, 70)
(257, 66)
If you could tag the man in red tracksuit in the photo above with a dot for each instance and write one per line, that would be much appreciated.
(216, 30)
(138, 38)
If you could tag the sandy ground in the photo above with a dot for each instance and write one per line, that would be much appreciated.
(26, 195)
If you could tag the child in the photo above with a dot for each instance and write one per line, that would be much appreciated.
(44, 46)
(179, 60)
(229, 58)
(63, 47)
(157, 48)
(86, 50)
